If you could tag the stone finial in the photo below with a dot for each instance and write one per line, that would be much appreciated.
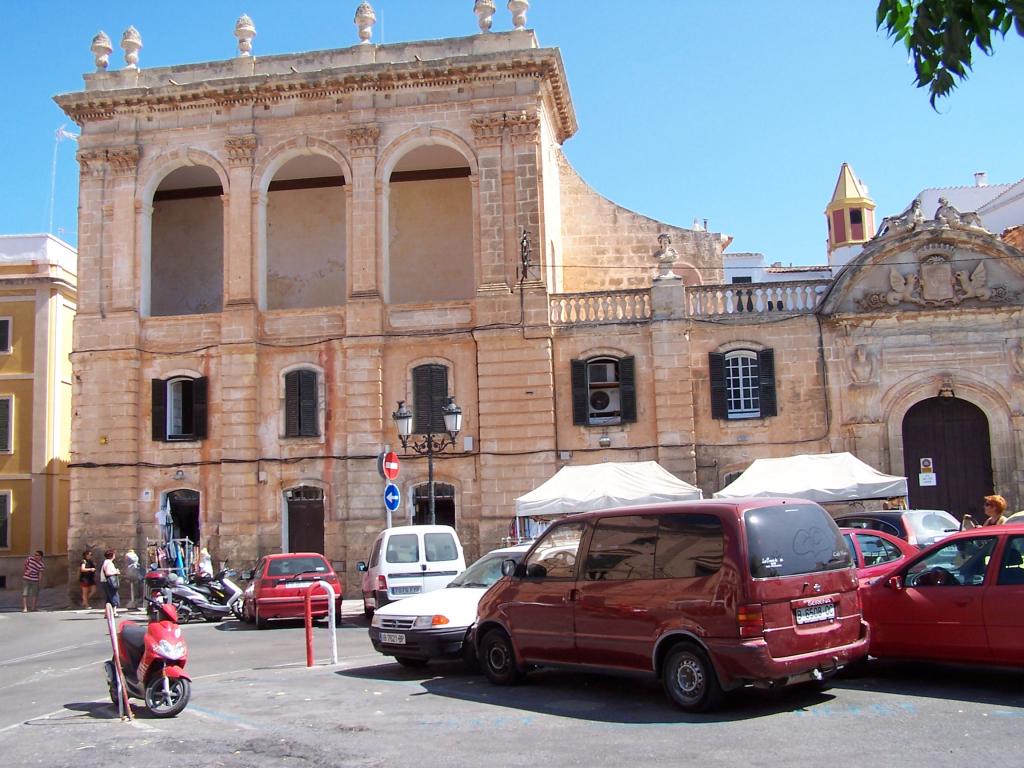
(518, 9)
(245, 31)
(131, 43)
(101, 49)
(364, 21)
(484, 10)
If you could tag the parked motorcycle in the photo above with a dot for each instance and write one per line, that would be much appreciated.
(209, 598)
(221, 589)
(152, 660)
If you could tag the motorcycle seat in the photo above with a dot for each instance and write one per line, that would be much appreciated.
(133, 638)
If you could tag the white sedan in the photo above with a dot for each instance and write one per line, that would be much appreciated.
(434, 625)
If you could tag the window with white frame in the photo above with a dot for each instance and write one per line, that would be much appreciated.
(742, 384)
(5, 519)
(179, 408)
(6, 424)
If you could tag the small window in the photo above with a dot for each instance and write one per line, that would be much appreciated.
(875, 550)
(689, 547)
(5, 335)
(742, 384)
(440, 547)
(5, 519)
(6, 426)
(604, 391)
(429, 397)
(855, 216)
(301, 413)
(1011, 570)
(743, 279)
(375, 554)
(554, 556)
(179, 408)
(962, 563)
(622, 548)
(403, 548)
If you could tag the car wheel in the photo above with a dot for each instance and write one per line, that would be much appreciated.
(406, 661)
(690, 680)
(261, 623)
(498, 658)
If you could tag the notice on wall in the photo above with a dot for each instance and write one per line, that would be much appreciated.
(927, 466)
(927, 478)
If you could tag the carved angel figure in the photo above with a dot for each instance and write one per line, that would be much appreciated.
(905, 222)
(976, 284)
(903, 288)
(951, 217)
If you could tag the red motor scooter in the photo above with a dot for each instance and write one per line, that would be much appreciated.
(152, 660)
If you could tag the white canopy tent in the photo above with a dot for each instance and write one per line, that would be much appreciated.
(600, 486)
(823, 477)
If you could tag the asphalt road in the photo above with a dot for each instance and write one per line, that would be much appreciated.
(255, 703)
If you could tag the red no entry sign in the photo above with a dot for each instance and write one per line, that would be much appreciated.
(389, 465)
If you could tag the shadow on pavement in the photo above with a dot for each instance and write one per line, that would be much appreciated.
(981, 685)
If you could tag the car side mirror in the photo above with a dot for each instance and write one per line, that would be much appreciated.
(361, 566)
(247, 575)
(895, 582)
(508, 567)
(536, 571)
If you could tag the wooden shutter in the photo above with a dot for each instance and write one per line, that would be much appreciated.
(291, 404)
(766, 375)
(308, 422)
(159, 409)
(719, 396)
(5, 425)
(429, 396)
(627, 388)
(580, 402)
(199, 393)
(5, 335)
(5, 514)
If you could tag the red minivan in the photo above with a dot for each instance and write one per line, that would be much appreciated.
(708, 595)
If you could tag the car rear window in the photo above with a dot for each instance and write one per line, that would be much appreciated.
(403, 548)
(930, 521)
(288, 566)
(792, 539)
(440, 547)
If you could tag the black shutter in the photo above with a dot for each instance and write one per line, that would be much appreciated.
(429, 396)
(5, 335)
(719, 396)
(5, 514)
(159, 409)
(627, 388)
(199, 394)
(580, 402)
(5, 425)
(308, 422)
(291, 404)
(766, 375)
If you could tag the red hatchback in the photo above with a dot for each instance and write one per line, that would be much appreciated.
(960, 600)
(875, 552)
(278, 586)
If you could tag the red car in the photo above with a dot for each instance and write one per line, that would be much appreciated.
(959, 600)
(278, 586)
(875, 552)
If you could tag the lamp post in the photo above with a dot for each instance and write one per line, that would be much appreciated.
(430, 443)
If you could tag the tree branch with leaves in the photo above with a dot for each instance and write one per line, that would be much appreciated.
(941, 35)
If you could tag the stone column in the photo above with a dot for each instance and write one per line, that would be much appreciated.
(123, 163)
(239, 282)
(489, 131)
(523, 206)
(365, 282)
(92, 166)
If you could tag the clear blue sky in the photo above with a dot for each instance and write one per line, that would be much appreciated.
(740, 112)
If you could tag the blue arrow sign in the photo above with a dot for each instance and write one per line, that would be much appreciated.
(392, 497)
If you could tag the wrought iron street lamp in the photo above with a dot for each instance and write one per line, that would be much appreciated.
(430, 443)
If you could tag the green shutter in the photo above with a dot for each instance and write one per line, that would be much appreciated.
(199, 394)
(5, 335)
(291, 404)
(308, 422)
(430, 395)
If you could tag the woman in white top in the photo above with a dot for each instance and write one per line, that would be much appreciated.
(110, 578)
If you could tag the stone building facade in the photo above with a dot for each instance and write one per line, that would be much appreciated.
(275, 251)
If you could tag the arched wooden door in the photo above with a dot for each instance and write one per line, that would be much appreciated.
(953, 433)
(305, 519)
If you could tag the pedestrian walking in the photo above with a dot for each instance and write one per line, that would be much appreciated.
(87, 577)
(30, 578)
(110, 579)
(133, 572)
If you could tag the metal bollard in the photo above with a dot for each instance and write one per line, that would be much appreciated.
(331, 622)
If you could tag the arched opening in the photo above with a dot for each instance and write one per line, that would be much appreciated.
(444, 504)
(947, 456)
(186, 271)
(305, 223)
(430, 219)
(305, 519)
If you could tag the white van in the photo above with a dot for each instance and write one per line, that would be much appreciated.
(410, 560)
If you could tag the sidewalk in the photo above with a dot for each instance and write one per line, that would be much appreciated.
(50, 599)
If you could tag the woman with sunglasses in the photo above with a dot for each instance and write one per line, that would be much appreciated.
(995, 507)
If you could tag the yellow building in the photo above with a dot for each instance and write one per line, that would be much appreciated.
(38, 287)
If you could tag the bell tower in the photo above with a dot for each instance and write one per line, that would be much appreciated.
(850, 216)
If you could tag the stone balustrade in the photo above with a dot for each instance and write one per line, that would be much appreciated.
(743, 299)
(599, 307)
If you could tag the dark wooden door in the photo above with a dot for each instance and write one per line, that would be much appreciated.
(953, 433)
(306, 525)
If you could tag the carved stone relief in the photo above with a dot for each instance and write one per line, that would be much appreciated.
(862, 365)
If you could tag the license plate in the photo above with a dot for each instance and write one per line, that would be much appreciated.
(392, 638)
(406, 590)
(813, 613)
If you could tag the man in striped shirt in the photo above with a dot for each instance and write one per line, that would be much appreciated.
(30, 578)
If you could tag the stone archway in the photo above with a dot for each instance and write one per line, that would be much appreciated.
(951, 436)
